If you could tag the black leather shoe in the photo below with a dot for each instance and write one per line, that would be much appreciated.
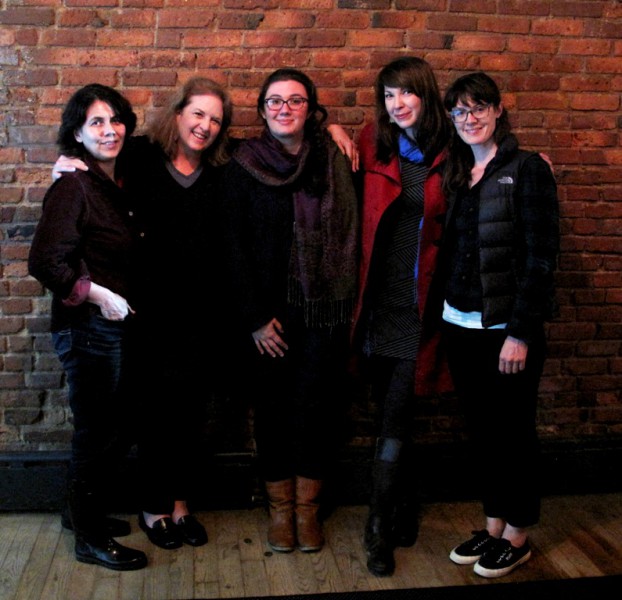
(112, 527)
(164, 532)
(192, 532)
(108, 553)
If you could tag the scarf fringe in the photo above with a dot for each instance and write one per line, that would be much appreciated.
(320, 313)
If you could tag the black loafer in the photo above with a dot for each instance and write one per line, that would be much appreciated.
(192, 532)
(164, 532)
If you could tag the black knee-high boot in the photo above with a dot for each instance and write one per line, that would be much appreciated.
(379, 541)
(114, 527)
(93, 542)
(408, 505)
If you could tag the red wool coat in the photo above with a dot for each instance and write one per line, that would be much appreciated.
(381, 187)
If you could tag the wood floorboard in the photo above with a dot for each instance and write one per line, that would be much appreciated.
(579, 536)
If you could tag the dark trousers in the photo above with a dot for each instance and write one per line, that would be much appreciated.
(392, 386)
(174, 384)
(93, 356)
(501, 416)
(299, 402)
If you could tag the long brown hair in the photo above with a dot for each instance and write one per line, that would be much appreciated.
(433, 126)
(164, 129)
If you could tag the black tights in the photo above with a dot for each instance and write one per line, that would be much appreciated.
(392, 390)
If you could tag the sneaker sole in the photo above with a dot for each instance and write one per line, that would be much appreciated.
(281, 549)
(463, 560)
(492, 573)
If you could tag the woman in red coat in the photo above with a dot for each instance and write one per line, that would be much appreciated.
(402, 217)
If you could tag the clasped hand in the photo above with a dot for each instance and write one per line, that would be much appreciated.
(268, 339)
(112, 306)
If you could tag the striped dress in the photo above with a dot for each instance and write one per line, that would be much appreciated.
(394, 327)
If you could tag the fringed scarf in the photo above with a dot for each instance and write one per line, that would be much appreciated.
(323, 264)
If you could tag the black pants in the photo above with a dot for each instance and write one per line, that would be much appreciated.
(501, 415)
(299, 402)
(392, 385)
(174, 385)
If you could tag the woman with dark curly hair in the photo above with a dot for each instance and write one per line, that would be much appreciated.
(289, 214)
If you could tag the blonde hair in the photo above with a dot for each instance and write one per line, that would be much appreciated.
(164, 129)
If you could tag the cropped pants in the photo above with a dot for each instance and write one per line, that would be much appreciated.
(500, 411)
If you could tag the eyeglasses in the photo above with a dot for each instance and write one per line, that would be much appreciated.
(295, 103)
(460, 115)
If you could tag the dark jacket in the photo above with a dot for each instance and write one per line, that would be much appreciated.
(518, 240)
(257, 222)
(177, 283)
(85, 233)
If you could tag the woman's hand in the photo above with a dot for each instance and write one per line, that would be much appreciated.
(513, 357)
(113, 307)
(547, 159)
(67, 164)
(345, 143)
(268, 339)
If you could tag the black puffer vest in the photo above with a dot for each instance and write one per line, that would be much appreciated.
(500, 237)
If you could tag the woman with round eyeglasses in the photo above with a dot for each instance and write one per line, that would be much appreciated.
(289, 215)
(499, 256)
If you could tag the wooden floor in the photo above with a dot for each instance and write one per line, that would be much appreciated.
(579, 536)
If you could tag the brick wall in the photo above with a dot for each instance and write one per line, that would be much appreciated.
(558, 62)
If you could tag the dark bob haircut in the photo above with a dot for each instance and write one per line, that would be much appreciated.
(74, 115)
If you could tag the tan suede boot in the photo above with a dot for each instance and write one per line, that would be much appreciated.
(281, 534)
(308, 527)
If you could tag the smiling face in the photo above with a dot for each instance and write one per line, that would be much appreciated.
(285, 124)
(478, 131)
(199, 123)
(102, 134)
(403, 107)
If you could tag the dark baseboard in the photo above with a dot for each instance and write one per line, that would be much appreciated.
(36, 481)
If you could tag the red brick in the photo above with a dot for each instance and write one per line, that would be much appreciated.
(40, 17)
(291, 20)
(240, 21)
(497, 24)
(478, 43)
(181, 18)
(557, 27)
(422, 5)
(396, 20)
(324, 39)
